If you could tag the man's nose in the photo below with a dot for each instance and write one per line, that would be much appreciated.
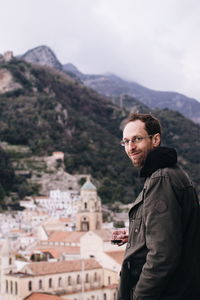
(131, 145)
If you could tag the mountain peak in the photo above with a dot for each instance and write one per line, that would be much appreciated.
(42, 55)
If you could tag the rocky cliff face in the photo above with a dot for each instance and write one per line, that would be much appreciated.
(7, 83)
(42, 55)
(54, 177)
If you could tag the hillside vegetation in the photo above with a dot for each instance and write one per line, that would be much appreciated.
(53, 112)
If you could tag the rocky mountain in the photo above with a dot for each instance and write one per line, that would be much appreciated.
(115, 87)
(46, 110)
(73, 71)
(42, 55)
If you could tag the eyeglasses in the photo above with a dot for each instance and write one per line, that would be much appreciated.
(135, 140)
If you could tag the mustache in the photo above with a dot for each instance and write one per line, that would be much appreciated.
(133, 152)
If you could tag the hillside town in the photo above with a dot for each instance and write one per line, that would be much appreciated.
(58, 247)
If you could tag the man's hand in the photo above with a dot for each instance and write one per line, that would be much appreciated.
(119, 237)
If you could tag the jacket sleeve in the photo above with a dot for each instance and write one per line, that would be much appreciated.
(162, 217)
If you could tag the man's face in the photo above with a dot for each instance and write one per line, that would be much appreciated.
(137, 152)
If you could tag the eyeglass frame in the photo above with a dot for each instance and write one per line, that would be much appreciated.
(135, 140)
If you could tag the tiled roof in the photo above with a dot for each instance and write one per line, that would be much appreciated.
(67, 237)
(105, 234)
(40, 296)
(17, 230)
(116, 255)
(40, 197)
(44, 268)
(42, 213)
(65, 220)
(56, 251)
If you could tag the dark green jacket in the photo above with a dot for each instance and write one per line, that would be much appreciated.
(162, 258)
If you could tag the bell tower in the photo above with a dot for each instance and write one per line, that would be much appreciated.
(89, 215)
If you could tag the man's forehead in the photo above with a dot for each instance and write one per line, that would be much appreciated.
(134, 128)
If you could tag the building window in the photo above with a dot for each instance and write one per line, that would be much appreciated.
(16, 288)
(59, 281)
(6, 286)
(87, 278)
(78, 280)
(104, 296)
(85, 205)
(50, 282)
(30, 285)
(69, 280)
(40, 284)
(115, 296)
(10, 261)
(109, 280)
(11, 287)
(95, 276)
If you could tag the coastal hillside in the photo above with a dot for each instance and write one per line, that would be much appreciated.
(46, 110)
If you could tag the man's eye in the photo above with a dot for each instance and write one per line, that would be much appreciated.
(138, 139)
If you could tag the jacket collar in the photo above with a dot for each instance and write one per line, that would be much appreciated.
(157, 158)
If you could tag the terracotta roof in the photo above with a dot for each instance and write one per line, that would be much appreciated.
(65, 220)
(56, 251)
(116, 255)
(66, 236)
(105, 234)
(17, 230)
(44, 268)
(42, 213)
(40, 296)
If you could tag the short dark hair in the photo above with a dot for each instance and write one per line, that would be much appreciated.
(152, 125)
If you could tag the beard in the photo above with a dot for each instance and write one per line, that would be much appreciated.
(138, 158)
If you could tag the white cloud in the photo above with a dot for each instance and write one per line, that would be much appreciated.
(153, 42)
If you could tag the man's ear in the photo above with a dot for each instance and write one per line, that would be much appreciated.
(156, 140)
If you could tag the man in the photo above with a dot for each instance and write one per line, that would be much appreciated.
(163, 245)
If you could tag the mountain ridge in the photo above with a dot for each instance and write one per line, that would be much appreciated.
(112, 86)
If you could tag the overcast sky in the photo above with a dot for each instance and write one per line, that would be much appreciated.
(153, 42)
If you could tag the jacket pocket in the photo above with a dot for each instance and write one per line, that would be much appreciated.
(135, 224)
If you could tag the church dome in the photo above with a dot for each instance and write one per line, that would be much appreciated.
(88, 185)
